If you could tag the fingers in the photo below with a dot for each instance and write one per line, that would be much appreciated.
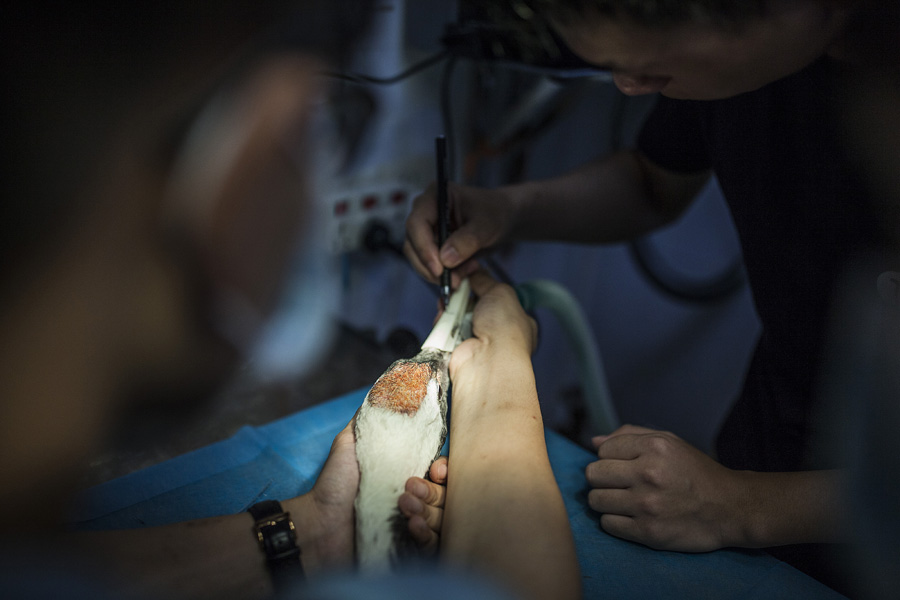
(612, 502)
(422, 503)
(462, 244)
(624, 447)
(420, 247)
(610, 474)
(620, 526)
(597, 440)
(633, 429)
(616, 505)
(625, 443)
(425, 538)
(412, 506)
(438, 471)
(428, 492)
(412, 255)
(462, 271)
(476, 230)
(482, 283)
(624, 429)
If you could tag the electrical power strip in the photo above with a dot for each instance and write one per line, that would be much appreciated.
(355, 212)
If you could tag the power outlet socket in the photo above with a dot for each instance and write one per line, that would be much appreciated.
(354, 211)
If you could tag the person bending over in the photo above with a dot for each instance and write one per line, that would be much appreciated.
(745, 94)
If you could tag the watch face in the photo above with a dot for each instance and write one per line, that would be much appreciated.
(277, 536)
(277, 539)
(280, 538)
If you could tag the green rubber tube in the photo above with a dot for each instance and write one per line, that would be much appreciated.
(543, 293)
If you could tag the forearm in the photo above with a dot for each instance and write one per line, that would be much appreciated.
(504, 512)
(205, 558)
(612, 199)
(788, 508)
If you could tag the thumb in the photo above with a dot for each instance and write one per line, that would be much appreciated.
(598, 439)
(462, 245)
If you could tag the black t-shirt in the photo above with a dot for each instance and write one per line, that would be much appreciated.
(801, 214)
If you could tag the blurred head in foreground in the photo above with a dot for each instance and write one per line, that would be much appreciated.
(153, 191)
(865, 380)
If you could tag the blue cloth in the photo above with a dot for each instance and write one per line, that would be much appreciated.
(282, 460)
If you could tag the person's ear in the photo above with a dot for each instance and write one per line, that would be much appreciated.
(237, 189)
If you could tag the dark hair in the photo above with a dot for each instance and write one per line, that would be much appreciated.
(652, 12)
(526, 24)
(72, 71)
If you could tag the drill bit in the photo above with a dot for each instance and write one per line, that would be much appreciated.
(440, 146)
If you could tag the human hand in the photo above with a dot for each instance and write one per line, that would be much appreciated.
(482, 217)
(423, 504)
(326, 513)
(500, 326)
(654, 488)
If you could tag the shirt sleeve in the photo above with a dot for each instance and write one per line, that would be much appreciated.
(673, 136)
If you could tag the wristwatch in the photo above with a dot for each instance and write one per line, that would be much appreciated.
(278, 541)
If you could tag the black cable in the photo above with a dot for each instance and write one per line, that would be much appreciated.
(678, 285)
(617, 120)
(377, 237)
(447, 119)
(412, 70)
(554, 73)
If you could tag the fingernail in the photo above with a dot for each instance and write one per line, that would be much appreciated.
(410, 505)
(440, 471)
(449, 256)
(599, 439)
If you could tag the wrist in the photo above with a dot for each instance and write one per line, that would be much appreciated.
(492, 367)
(764, 512)
(276, 534)
(324, 531)
(308, 528)
(791, 508)
(494, 387)
(744, 524)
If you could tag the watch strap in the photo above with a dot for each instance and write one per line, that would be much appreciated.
(278, 540)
